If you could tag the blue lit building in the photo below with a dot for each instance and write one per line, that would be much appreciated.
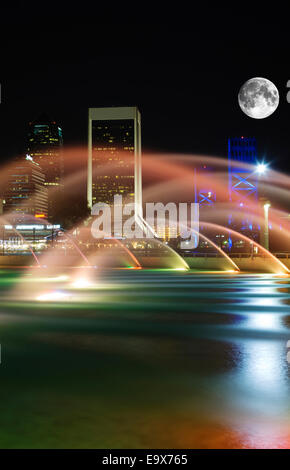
(242, 180)
(205, 193)
(242, 184)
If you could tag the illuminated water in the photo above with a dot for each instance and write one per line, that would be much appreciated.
(146, 359)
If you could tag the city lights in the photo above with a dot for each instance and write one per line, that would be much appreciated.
(144, 234)
(177, 270)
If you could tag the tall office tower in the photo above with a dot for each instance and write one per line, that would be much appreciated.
(45, 143)
(243, 184)
(25, 192)
(114, 158)
(242, 181)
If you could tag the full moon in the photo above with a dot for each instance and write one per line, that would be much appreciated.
(258, 98)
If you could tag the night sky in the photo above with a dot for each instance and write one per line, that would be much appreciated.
(183, 71)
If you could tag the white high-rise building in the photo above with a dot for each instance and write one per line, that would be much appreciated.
(114, 156)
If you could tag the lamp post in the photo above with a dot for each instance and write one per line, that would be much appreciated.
(262, 168)
(266, 207)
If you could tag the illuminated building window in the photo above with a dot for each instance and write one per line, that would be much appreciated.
(45, 147)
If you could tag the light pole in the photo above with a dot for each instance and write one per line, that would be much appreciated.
(262, 168)
(266, 207)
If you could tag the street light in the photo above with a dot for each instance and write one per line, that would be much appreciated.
(266, 206)
(262, 168)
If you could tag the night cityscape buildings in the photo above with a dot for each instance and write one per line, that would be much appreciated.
(44, 145)
(242, 182)
(24, 193)
(243, 185)
(119, 343)
(114, 167)
(204, 190)
(114, 155)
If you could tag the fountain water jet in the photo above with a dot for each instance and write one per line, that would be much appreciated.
(244, 237)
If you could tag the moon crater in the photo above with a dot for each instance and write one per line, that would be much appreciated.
(258, 98)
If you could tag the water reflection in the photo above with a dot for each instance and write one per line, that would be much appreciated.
(202, 355)
(262, 370)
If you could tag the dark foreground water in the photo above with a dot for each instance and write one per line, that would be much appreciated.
(145, 359)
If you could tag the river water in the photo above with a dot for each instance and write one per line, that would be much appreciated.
(145, 359)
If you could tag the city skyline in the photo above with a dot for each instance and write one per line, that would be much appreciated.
(144, 231)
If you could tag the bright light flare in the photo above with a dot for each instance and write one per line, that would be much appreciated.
(81, 283)
(262, 168)
(52, 296)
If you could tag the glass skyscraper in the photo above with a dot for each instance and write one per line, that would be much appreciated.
(44, 145)
(242, 181)
(243, 185)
